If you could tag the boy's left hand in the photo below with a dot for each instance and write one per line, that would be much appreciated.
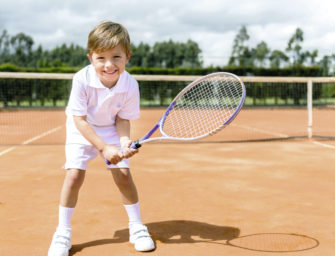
(126, 150)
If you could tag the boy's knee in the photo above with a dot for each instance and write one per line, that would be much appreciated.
(74, 180)
(123, 179)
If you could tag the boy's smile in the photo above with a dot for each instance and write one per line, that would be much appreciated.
(109, 65)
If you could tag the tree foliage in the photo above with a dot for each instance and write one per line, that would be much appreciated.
(240, 54)
(18, 51)
(166, 54)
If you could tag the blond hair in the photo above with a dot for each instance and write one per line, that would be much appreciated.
(106, 36)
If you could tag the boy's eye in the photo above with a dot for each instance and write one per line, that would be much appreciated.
(100, 58)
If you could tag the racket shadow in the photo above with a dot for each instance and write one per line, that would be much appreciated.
(170, 232)
(185, 231)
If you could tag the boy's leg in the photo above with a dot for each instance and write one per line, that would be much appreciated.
(124, 181)
(138, 232)
(73, 181)
(61, 242)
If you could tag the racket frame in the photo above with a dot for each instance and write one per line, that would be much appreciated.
(160, 123)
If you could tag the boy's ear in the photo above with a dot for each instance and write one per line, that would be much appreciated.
(89, 57)
(129, 55)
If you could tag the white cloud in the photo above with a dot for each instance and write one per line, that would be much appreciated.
(211, 23)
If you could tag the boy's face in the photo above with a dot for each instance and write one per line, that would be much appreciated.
(109, 64)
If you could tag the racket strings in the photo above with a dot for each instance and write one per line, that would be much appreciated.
(204, 108)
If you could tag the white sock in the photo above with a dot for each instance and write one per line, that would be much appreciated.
(65, 217)
(133, 211)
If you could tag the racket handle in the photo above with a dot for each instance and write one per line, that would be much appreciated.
(134, 145)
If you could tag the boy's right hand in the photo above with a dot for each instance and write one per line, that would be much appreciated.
(112, 154)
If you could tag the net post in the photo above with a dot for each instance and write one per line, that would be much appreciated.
(310, 108)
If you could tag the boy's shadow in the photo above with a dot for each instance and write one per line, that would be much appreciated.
(173, 231)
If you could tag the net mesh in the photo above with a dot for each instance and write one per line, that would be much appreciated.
(204, 107)
(32, 108)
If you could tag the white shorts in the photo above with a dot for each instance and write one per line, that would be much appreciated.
(79, 155)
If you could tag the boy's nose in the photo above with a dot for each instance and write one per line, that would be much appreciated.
(109, 63)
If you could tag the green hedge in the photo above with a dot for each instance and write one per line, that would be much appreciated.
(241, 71)
(8, 67)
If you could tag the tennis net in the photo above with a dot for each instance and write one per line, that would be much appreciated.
(32, 107)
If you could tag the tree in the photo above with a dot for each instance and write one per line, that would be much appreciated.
(64, 55)
(170, 54)
(325, 65)
(277, 58)
(191, 52)
(4, 47)
(22, 45)
(240, 52)
(141, 55)
(311, 56)
(260, 53)
(294, 47)
(37, 56)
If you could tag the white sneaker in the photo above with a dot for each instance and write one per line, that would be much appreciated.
(61, 243)
(139, 236)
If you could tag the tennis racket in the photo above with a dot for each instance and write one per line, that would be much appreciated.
(201, 109)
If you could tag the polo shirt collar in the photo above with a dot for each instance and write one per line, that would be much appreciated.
(96, 83)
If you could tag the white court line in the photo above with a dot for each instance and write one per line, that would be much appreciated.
(42, 135)
(26, 142)
(323, 144)
(281, 135)
(6, 150)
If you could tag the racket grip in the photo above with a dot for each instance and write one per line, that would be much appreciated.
(134, 145)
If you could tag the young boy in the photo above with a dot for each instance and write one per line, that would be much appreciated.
(103, 99)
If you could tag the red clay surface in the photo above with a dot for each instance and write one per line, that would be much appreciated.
(240, 199)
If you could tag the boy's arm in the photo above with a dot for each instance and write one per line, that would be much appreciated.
(123, 130)
(109, 152)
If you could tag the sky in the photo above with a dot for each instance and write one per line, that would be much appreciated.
(213, 24)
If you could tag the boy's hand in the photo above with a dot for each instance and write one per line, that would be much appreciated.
(112, 154)
(126, 150)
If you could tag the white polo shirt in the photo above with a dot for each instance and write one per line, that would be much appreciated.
(89, 97)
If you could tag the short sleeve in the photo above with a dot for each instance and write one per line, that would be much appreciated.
(131, 107)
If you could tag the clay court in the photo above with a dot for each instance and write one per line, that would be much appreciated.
(214, 197)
